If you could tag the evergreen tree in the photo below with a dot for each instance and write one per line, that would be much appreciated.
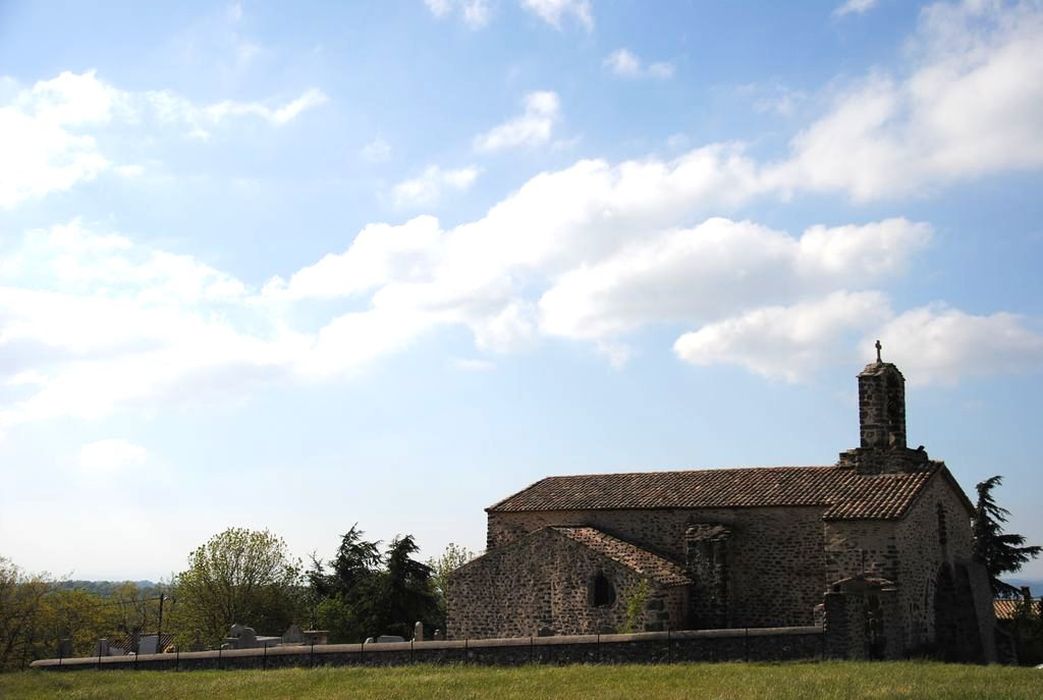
(1000, 552)
(366, 594)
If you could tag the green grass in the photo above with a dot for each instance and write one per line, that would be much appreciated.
(841, 680)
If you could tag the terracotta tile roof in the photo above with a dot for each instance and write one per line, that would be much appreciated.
(640, 560)
(1007, 608)
(841, 491)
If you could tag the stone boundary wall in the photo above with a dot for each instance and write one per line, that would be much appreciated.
(754, 644)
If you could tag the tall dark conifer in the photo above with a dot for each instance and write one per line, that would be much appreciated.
(1001, 552)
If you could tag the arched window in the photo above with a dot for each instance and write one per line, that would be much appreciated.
(603, 593)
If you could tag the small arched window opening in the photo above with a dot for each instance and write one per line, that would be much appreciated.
(603, 593)
(943, 534)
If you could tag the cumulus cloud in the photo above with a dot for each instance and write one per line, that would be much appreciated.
(933, 344)
(429, 186)
(717, 268)
(111, 456)
(531, 128)
(553, 12)
(626, 64)
(972, 105)
(786, 342)
(937, 344)
(51, 133)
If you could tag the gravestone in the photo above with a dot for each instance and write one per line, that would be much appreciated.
(418, 631)
(148, 644)
(293, 635)
(242, 637)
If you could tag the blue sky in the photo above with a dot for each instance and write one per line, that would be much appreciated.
(386, 263)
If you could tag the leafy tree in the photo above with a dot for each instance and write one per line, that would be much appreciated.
(239, 576)
(21, 602)
(1001, 552)
(451, 559)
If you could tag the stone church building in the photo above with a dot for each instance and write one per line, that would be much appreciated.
(880, 542)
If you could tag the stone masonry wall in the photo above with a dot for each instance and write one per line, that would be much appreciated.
(937, 531)
(910, 553)
(648, 648)
(776, 563)
(544, 585)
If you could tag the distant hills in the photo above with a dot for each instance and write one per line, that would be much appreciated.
(1035, 584)
(105, 588)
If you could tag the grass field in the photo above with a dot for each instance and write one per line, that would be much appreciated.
(790, 680)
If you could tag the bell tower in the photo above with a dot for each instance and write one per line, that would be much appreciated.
(881, 405)
(881, 423)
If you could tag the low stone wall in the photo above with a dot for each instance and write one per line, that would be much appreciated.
(756, 644)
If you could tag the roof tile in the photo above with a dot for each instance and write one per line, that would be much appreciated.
(640, 560)
(843, 492)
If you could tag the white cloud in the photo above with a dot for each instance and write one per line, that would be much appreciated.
(43, 149)
(626, 64)
(380, 253)
(51, 134)
(376, 151)
(475, 13)
(783, 342)
(972, 105)
(718, 268)
(937, 344)
(111, 456)
(173, 108)
(934, 344)
(532, 128)
(857, 7)
(92, 322)
(554, 11)
(428, 188)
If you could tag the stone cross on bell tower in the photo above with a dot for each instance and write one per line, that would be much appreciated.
(881, 405)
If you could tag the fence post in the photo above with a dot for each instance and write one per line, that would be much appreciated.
(599, 647)
(746, 644)
(264, 661)
(219, 658)
(177, 658)
(311, 656)
(531, 651)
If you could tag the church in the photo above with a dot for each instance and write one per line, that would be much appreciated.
(885, 532)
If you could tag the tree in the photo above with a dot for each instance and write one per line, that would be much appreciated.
(342, 599)
(364, 593)
(452, 559)
(409, 595)
(239, 576)
(1000, 552)
(21, 602)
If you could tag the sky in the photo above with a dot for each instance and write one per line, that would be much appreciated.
(387, 263)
